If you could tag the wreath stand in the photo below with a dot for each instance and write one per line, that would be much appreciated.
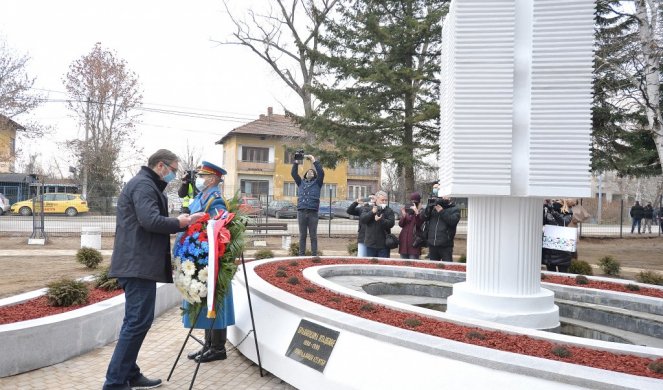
(207, 345)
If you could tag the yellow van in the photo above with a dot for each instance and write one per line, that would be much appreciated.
(69, 204)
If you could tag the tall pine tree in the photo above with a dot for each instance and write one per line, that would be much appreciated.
(381, 59)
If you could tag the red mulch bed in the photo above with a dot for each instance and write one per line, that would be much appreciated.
(629, 364)
(39, 307)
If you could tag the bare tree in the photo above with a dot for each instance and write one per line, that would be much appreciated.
(103, 93)
(283, 43)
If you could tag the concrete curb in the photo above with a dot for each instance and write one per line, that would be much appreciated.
(41, 342)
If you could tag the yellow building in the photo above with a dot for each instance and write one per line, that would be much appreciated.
(8, 130)
(258, 158)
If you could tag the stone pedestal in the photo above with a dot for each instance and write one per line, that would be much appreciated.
(91, 237)
(504, 265)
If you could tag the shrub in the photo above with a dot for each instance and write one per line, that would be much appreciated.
(412, 322)
(67, 292)
(581, 279)
(656, 366)
(281, 273)
(281, 268)
(310, 290)
(440, 265)
(580, 267)
(294, 263)
(543, 276)
(352, 248)
(609, 265)
(89, 257)
(373, 260)
(335, 299)
(264, 254)
(475, 334)
(462, 258)
(560, 351)
(293, 280)
(104, 282)
(316, 260)
(632, 287)
(649, 277)
(367, 307)
(294, 250)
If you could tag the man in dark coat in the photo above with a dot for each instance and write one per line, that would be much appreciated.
(378, 220)
(356, 209)
(637, 213)
(442, 218)
(141, 258)
(648, 215)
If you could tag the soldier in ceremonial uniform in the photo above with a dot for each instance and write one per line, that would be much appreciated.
(210, 200)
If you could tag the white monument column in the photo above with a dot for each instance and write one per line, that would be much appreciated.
(516, 123)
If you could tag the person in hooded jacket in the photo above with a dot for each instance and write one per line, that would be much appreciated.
(308, 203)
(442, 217)
(141, 258)
(410, 223)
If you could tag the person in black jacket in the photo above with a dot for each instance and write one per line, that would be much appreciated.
(442, 217)
(378, 219)
(141, 258)
(648, 215)
(356, 208)
(637, 213)
(187, 191)
(556, 213)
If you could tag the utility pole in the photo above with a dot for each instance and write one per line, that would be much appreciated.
(85, 150)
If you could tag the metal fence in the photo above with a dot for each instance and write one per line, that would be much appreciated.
(613, 220)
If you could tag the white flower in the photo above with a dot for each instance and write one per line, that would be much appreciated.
(202, 275)
(188, 267)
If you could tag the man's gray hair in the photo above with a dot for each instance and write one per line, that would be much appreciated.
(381, 193)
(162, 155)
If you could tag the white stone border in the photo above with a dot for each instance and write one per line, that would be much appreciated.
(41, 342)
(371, 355)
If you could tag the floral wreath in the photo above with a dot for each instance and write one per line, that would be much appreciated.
(208, 247)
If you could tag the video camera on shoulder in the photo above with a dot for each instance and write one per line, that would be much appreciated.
(298, 157)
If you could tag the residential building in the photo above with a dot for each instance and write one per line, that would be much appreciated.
(258, 158)
(8, 130)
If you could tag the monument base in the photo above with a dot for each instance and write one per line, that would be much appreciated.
(537, 311)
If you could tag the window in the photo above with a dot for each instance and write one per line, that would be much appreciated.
(355, 192)
(254, 187)
(12, 146)
(253, 154)
(324, 193)
(289, 189)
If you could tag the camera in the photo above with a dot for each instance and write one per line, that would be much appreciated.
(298, 157)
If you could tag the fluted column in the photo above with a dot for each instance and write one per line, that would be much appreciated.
(504, 265)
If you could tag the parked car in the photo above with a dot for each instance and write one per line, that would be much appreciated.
(250, 206)
(282, 209)
(69, 204)
(325, 212)
(4, 204)
(340, 207)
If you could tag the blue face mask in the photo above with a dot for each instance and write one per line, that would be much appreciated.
(435, 191)
(169, 177)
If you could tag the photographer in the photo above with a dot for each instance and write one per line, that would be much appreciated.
(357, 208)
(308, 200)
(378, 220)
(557, 213)
(187, 191)
(442, 216)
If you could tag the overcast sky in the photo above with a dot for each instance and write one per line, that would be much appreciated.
(169, 45)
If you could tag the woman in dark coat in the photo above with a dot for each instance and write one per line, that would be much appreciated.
(410, 222)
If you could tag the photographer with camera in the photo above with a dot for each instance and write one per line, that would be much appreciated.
(308, 200)
(357, 208)
(442, 216)
(378, 219)
(187, 191)
(410, 223)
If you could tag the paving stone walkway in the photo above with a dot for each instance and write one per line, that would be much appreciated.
(156, 358)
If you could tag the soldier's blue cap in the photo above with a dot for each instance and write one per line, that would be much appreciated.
(207, 168)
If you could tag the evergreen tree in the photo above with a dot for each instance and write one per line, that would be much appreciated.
(623, 140)
(383, 101)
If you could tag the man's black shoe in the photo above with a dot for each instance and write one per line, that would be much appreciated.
(141, 382)
(194, 355)
(212, 355)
